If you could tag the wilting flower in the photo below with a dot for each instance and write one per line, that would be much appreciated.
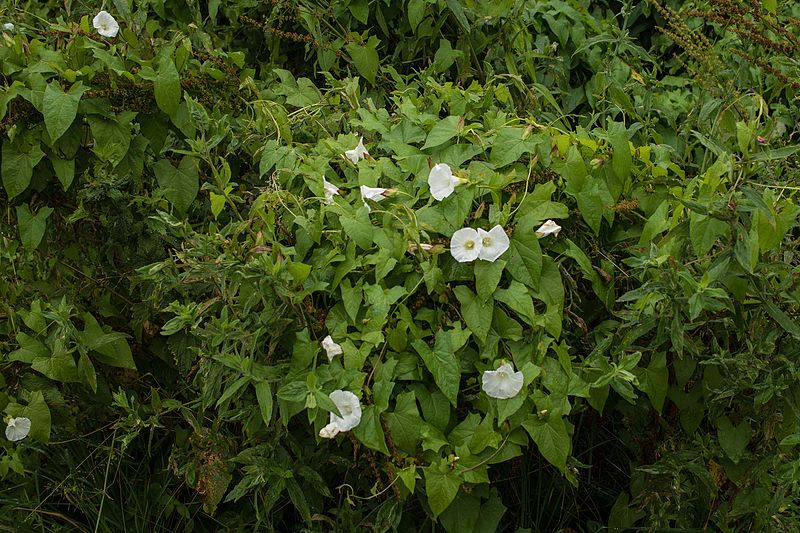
(413, 247)
(105, 24)
(330, 190)
(494, 243)
(441, 181)
(357, 153)
(549, 227)
(349, 407)
(502, 383)
(18, 428)
(331, 348)
(759, 139)
(465, 245)
(8, 27)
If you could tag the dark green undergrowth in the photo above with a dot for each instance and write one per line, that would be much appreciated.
(173, 259)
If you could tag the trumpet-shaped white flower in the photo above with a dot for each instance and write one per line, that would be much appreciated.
(330, 190)
(331, 348)
(105, 24)
(349, 407)
(465, 245)
(357, 153)
(18, 428)
(442, 182)
(549, 227)
(494, 243)
(502, 383)
(8, 27)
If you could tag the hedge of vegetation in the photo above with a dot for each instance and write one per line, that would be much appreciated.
(421, 265)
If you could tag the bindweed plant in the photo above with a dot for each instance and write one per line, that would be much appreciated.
(302, 304)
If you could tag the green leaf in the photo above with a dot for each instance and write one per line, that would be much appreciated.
(359, 228)
(594, 202)
(264, 396)
(487, 276)
(733, 439)
(656, 224)
(38, 413)
(416, 12)
(17, 166)
(32, 227)
(109, 348)
(112, 138)
(516, 297)
(370, 431)
(551, 437)
(60, 108)
(167, 85)
(509, 145)
(443, 131)
(621, 160)
(524, 258)
(87, 372)
(445, 56)
(365, 58)
(442, 363)
(457, 9)
(704, 232)
(180, 185)
(654, 380)
(29, 349)
(477, 314)
(441, 486)
(59, 366)
(64, 169)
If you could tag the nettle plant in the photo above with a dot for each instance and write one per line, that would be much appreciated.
(392, 301)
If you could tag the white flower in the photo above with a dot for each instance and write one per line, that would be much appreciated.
(8, 27)
(376, 194)
(357, 153)
(18, 428)
(105, 24)
(547, 228)
(330, 190)
(494, 243)
(502, 383)
(349, 407)
(331, 348)
(442, 182)
(465, 245)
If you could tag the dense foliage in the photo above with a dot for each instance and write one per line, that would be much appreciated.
(184, 224)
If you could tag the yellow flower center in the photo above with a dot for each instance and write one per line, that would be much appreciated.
(469, 245)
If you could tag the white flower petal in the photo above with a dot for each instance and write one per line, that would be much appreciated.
(502, 383)
(331, 348)
(18, 428)
(549, 227)
(8, 27)
(494, 243)
(329, 431)
(376, 194)
(105, 24)
(357, 153)
(349, 407)
(330, 190)
(441, 181)
(465, 245)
